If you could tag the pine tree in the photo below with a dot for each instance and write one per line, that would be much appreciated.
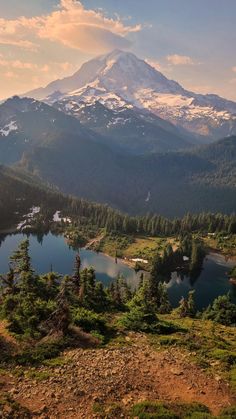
(76, 273)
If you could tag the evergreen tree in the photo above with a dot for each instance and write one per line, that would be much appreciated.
(187, 306)
(141, 315)
(76, 273)
(222, 311)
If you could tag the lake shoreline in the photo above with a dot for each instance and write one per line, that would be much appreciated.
(125, 260)
(52, 252)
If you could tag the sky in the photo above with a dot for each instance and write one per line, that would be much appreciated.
(190, 41)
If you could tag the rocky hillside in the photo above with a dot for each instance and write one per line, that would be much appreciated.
(130, 376)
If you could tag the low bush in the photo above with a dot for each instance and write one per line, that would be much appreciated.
(149, 410)
(40, 353)
(89, 320)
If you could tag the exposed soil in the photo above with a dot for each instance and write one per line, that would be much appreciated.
(129, 374)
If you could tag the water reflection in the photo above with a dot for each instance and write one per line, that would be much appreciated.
(52, 252)
(210, 283)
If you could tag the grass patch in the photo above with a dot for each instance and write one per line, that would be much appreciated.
(232, 376)
(149, 410)
(99, 409)
(228, 413)
(56, 362)
(114, 244)
(211, 346)
(110, 411)
(226, 244)
(38, 375)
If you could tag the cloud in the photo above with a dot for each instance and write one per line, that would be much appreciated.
(21, 44)
(71, 25)
(10, 75)
(176, 59)
(45, 68)
(86, 30)
(20, 65)
(234, 69)
(18, 33)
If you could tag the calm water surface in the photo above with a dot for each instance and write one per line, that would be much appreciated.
(54, 251)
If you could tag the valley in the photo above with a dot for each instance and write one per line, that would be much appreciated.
(62, 153)
(117, 216)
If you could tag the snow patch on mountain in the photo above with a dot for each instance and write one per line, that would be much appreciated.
(7, 129)
(120, 79)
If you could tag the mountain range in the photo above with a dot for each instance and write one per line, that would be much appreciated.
(117, 152)
(120, 79)
(62, 152)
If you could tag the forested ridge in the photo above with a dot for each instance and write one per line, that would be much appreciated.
(64, 153)
(19, 193)
(175, 183)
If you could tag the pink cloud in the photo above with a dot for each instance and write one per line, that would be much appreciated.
(20, 65)
(71, 25)
(176, 59)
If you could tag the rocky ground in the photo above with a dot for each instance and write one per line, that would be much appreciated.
(85, 379)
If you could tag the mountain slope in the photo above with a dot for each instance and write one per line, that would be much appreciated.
(62, 152)
(127, 128)
(19, 192)
(120, 78)
(170, 184)
(26, 123)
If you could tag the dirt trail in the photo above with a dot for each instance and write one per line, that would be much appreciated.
(94, 241)
(125, 375)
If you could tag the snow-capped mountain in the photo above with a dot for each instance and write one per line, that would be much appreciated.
(134, 130)
(121, 79)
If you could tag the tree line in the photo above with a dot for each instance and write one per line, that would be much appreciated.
(19, 194)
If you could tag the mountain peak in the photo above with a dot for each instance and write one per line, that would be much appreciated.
(118, 54)
(119, 78)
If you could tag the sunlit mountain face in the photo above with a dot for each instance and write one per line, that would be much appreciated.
(120, 79)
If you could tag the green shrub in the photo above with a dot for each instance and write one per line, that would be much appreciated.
(40, 353)
(140, 321)
(228, 413)
(225, 356)
(193, 411)
(149, 410)
(222, 311)
(98, 336)
(89, 320)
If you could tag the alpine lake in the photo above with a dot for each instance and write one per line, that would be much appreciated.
(52, 252)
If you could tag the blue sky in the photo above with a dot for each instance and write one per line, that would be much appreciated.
(190, 41)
